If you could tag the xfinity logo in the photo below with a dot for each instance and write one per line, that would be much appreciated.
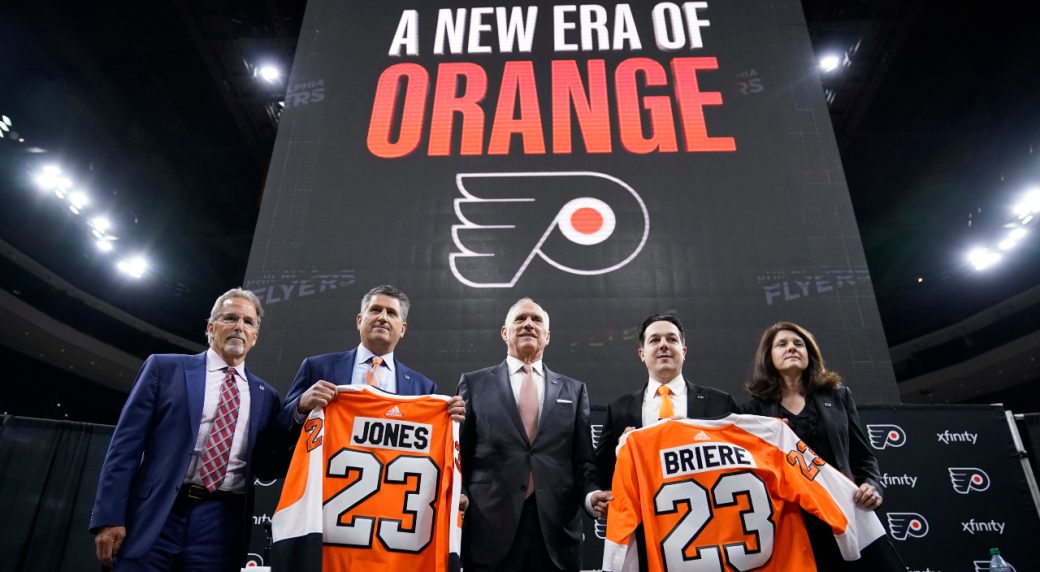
(967, 479)
(903, 480)
(947, 438)
(882, 436)
(973, 526)
(579, 222)
(902, 525)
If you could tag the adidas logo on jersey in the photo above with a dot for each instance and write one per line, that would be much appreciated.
(702, 436)
(393, 412)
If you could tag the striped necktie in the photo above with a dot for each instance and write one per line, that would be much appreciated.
(372, 375)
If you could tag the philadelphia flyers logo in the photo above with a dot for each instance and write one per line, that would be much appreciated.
(580, 222)
(967, 479)
(902, 525)
(882, 436)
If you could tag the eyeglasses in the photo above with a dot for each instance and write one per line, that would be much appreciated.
(233, 319)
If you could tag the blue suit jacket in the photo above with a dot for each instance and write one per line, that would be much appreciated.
(338, 368)
(152, 445)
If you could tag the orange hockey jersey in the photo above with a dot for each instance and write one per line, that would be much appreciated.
(374, 484)
(725, 494)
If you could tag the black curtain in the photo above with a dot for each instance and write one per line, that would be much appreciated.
(48, 476)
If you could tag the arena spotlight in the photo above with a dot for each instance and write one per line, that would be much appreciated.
(982, 258)
(104, 245)
(269, 73)
(1029, 204)
(78, 200)
(49, 177)
(134, 266)
(100, 224)
(829, 62)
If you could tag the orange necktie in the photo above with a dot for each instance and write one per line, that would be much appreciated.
(667, 412)
(372, 375)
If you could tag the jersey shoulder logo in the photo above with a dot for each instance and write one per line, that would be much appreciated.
(886, 435)
(580, 222)
(967, 479)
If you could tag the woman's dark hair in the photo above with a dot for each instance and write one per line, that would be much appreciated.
(766, 381)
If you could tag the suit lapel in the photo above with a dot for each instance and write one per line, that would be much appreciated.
(403, 376)
(694, 403)
(257, 395)
(825, 406)
(634, 409)
(195, 384)
(552, 393)
(505, 391)
(343, 369)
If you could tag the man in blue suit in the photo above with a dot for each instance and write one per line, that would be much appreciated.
(176, 488)
(381, 324)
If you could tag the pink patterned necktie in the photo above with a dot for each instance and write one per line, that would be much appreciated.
(218, 449)
(527, 404)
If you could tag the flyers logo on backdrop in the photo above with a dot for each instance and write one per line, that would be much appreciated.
(967, 479)
(907, 524)
(882, 436)
(579, 222)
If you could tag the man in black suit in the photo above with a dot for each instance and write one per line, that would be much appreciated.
(527, 458)
(662, 348)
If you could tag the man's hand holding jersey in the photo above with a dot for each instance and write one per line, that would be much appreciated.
(324, 392)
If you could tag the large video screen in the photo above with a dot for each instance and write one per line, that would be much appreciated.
(609, 160)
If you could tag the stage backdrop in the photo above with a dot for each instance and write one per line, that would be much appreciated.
(610, 160)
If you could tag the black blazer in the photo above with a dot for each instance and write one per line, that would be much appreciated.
(627, 411)
(853, 456)
(497, 459)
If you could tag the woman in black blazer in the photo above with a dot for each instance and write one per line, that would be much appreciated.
(790, 382)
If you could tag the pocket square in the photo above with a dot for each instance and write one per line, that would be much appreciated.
(564, 401)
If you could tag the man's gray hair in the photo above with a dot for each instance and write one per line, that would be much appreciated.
(516, 305)
(391, 291)
(218, 306)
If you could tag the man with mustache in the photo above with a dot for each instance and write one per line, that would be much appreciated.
(527, 464)
(381, 323)
(666, 394)
(176, 488)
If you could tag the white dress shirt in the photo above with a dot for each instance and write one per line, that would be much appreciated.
(516, 379)
(235, 478)
(652, 401)
(385, 377)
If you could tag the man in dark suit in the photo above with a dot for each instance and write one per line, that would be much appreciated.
(527, 460)
(662, 348)
(381, 323)
(176, 488)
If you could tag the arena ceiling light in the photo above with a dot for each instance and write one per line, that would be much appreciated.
(829, 62)
(50, 178)
(133, 266)
(269, 73)
(77, 201)
(1028, 205)
(104, 244)
(982, 258)
(100, 224)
